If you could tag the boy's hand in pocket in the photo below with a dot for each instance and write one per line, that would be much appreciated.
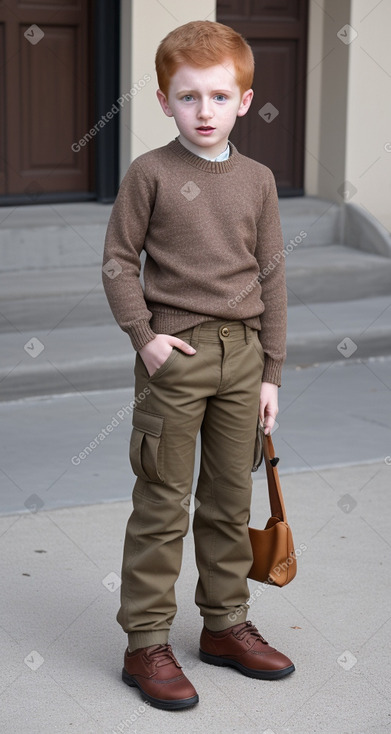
(157, 351)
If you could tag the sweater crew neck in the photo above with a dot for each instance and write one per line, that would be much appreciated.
(204, 164)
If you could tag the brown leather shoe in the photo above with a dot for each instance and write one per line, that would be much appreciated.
(244, 648)
(158, 675)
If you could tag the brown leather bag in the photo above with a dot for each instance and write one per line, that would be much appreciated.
(273, 550)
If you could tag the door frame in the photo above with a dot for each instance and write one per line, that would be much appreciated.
(106, 82)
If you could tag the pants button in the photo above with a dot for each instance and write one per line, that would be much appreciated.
(225, 331)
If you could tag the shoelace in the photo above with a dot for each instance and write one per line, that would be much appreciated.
(249, 630)
(163, 655)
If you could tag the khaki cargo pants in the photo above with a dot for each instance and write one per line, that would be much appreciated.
(215, 391)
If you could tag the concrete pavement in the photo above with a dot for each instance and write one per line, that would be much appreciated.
(331, 414)
(44, 361)
(62, 648)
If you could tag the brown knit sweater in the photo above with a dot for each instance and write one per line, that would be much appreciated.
(211, 231)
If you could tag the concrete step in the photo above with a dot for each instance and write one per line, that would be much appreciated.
(84, 358)
(52, 235)
(74, 296)
(335, 272)
(72, 235)
(58, 333)
(322, 332)
(318, 219)
(52, 298)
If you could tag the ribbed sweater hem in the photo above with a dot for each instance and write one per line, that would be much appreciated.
(140, 334)
(272, 371)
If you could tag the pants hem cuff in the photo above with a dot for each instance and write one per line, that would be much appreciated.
(217, 624)
(144, 639)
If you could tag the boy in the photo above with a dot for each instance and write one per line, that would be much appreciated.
(208, 219)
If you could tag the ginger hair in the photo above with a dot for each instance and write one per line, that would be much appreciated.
(204, 43)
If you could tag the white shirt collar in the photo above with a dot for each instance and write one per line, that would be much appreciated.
(222, 157)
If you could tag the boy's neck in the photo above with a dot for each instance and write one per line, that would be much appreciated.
(210, 153)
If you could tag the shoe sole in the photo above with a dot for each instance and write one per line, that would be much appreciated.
(260, 674)
(180, 703)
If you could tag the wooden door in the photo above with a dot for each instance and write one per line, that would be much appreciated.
(272, 132)
(45, 98)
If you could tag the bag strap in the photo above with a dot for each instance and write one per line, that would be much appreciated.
(276, 499)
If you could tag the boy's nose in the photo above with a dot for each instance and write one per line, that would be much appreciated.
(205, 111)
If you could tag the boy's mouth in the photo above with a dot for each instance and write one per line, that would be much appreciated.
(205, 129)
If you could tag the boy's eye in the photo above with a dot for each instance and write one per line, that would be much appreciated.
(187, 97)
(220, 97)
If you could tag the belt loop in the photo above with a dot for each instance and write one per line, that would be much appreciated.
(247, 333)
(195, 336)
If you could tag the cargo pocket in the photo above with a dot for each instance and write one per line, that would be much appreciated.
(145, 446)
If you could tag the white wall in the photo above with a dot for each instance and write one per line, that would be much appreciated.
(328, 60)
(368, 140)
(348, 132)
(313, 97)
(144, 24)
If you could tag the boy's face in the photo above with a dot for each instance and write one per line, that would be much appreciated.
(205, 104)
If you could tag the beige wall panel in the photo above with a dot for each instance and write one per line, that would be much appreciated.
(145, 23)
(348, 138)
(368, 141)
(332, 73)
(313, 97)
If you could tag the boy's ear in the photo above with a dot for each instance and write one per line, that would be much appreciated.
(247, 98)
(163, 103)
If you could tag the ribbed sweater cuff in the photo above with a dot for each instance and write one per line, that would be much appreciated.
(140, 334)
(272, 371)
